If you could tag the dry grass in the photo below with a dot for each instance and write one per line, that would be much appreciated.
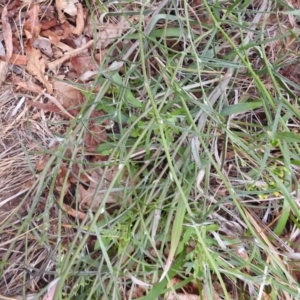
(23, 138)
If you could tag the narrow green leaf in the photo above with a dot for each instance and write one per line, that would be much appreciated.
(241, 107)
(285, 136)
(129, 97)
(132, 100)
(291, 12)
(176, 231)
(286, 209)
(161, 287)
(104, 148)
(295, 162)
(167, 32)
(177, 228)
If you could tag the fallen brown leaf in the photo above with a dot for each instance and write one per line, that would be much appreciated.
(18, 59)
(2, 50)
(67, 30)
(86, 197)
(241, 252)
(44, 45)
(52, 108)
(51, 290)
(52, 36)
(81, 64)
(60, 185)
(107, 33)
(3, 71)
(67, 95)
(7, 33)
(207, 297)
(65, 6)
(54, 65)
(190, 290)
(78, 175)
(135, 292)
(64, 47)
(45, 25)
(59, 33)
(36, 67)
(42, 163)
(72, 212)
(44, 106)
(47, 11)
(27, 86)
(79, 20)
(32, 26)
(96, 133)
(63, 111)
(11, 7)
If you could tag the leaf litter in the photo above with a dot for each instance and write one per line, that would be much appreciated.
(50, 42)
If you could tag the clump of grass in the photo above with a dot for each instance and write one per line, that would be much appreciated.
(204, 146)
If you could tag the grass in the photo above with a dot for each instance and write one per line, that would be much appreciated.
(197, 183)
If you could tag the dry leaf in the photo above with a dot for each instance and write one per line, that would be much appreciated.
(77, 173)
(60, 185)
(135, 292)
(106, 33)
(11, 6)
(95, 135)
(81, 64)
(2, 50)
(206, 297)
(17, 106)
(52, 36)
(3, 71)
(191, 290)
(65, 6)
(72, 212)
(18, 59)
(32, 26)
(88, 75)
(54, 65)
(67, 95)
(96, 132)
(7, 33)
(86, 196)
(64, 47)
(45, 25)
(79, 20)
(27, 86)
(51, 290)
(58, 104)
(36, 67)
(67, 30)
(44, 45)
(46, 107)
(42, 163)
(60, 33)
(241, 252)
(71, 8)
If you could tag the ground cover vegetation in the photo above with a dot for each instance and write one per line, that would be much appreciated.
(149, 149)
